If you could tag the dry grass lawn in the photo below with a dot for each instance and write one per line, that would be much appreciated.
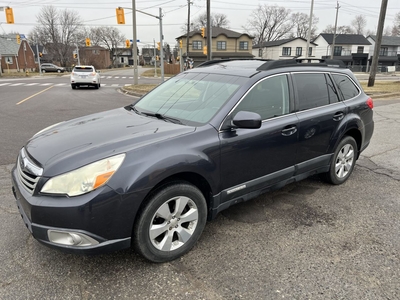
(382, 87)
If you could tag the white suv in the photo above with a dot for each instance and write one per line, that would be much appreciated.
(85, 75)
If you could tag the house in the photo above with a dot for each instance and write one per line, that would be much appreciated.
(389, 53)
(96, 56)
(352, 49)
(225, 44)
(284, 49)
(16, 57)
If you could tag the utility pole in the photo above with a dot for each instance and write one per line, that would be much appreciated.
(187, 36)
(155, 60)
(309, 30)
(38, 57)
(161, 47)
(134, 46)
(381, 23)
(334, 34)
(209, 30)
(77, 52)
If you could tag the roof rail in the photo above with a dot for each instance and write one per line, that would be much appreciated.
(302, 62)
(216, 61)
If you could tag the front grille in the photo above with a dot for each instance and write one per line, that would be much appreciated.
(26, 170)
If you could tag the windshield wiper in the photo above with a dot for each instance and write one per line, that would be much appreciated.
(163, 117)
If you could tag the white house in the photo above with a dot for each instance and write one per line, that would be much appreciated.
(389, 53)
(283, 49)
(352, 49)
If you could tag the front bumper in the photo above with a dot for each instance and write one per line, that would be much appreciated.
(102, 216)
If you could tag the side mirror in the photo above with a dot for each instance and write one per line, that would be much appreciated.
(247, 119)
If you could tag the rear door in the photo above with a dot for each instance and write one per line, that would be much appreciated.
(321, 119)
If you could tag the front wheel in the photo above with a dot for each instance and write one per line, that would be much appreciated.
(171, 222)
(343, 162)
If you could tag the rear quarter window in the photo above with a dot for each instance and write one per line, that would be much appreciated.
(345, 86)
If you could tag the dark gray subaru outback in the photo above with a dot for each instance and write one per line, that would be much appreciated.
(149, 175)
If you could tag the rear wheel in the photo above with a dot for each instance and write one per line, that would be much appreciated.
(171, 222)
(73, 86)
(59, 71)
(43, 71)
(97, 86)
(343, 162)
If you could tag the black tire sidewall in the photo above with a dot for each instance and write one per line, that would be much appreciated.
(140, 236)
(332, 172)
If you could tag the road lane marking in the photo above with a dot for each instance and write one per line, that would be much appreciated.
(123, 77)
(16, 84)
(4, 83)
(115, 85)
(22, 101)
(60, 84)
(30, 84)
(46, 84)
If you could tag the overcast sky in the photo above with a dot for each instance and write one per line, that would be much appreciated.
(102, 13)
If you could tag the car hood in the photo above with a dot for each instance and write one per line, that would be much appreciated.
(72, 144)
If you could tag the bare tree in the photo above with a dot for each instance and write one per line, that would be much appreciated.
(396, 25)
(57, 31)
(359, 24)
(339, 30)
(217, 20)
(301, 22)
(110, 38)
(269, 23)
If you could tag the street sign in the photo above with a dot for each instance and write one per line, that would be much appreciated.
(22, 36)
(138, 41)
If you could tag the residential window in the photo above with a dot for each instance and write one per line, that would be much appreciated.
(310, 51)
(243, 45)
(8, 60)
(221, 45)
(299, 51)
(286, 51)
(260, 52)
(337, 51)
(96, 51)
(197, 45)
(383, 51)
(360, 49)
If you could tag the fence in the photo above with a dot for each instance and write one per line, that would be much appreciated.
(366, 69)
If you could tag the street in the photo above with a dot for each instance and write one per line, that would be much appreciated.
(309, 240)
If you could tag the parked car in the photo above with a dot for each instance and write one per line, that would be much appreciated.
(150, 174)
(45, 67)
(85, 75)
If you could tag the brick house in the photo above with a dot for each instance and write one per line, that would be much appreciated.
(16, 57)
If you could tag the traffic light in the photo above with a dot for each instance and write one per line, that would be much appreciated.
(180, 44)
(9, 15)
(18, 39)
(120, 15)
(40, 54)
(157, 57)
(127, 43)
(158, 45)
(205, 50)
(203, 32)
(87, 41)
(75, 55)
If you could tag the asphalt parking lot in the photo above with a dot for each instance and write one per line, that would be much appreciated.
(309, 240)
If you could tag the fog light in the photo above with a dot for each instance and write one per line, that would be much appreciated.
(70, 238)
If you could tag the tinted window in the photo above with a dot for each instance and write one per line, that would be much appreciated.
(312, 90)
(269, 98)
(346, 87)
(333, 94)
(83, 69)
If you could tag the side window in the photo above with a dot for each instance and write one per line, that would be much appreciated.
(333, 94)
(269, 98)
(312, 90)
(346, 87)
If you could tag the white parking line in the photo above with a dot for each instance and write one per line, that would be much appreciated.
(116, 77)
(60, 84)
(123, 77)
(115, 85)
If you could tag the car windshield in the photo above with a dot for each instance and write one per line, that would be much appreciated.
(191, 98)
(83, 69)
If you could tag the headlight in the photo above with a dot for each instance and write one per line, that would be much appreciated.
(85, 179)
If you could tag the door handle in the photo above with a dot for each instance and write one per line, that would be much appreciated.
(338, 116)
(289, 130)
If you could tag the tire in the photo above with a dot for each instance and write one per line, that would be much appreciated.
(171, 222)
(58, 71)
(97, 86)
(73, 86)
(343, 162)
(43, 71)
